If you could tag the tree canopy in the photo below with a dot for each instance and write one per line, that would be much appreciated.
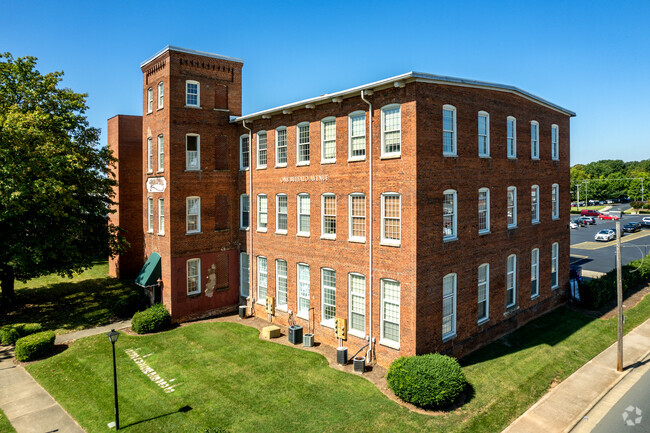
(609, 178)
(56, 187)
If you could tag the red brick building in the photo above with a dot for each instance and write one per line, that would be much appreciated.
(431, 212)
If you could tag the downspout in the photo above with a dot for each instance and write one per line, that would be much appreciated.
(371, 345)
(250, 218)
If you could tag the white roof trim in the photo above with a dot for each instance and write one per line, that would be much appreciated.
(412, 76)
(188, 51)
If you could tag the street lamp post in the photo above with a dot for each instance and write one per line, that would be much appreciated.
(112, 336)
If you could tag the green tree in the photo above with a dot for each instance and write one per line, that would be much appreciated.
(55, 179)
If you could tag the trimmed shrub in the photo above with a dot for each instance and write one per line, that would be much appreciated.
(9, 334)
(427, 381)
(130, 304)
(153, 319)
(34, 346)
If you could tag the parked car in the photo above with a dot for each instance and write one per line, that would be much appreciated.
(632, 227)
(614, 230)
(604, 216)
(645, 221)
(573, 224)
(589, 212)
(587, 220)
(605, 235)
(610, 201)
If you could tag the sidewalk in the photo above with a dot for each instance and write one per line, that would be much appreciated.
(565, 405)
(28, 407)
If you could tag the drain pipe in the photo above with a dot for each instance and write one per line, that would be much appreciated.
(250, 219)
(371, 345)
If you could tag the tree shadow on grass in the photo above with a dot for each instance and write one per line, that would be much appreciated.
(183, 409)
(549, 329)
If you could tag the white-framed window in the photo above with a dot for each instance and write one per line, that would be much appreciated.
(281, 146)
(192, 152)
(390, 313)
(161, 152)
(534, 140)
(449, 215)
(555, 139)
(484, 210)
(262, 215)
(262, 280)
(391, 131)
(511, 281)
(150, 214)
(243, 274)
(555, 207)
(534, 273)
(328, 288)
(244, 211)
(328, 216)
(483, 134)
(150, 100)
(357, 302)
(512, 207)
(328, 139)
(161, 95)
(281, 283)
(357, 135)
(302, 134)
(449, 306)
(357, 206)
(554, 265)
(192, 93)
(304, 214)
(511, 131)
(448, 130)
(193, 276)
(281, 213)
(193, 215)
(261, 149)
(149, 155)
(391, 218)
(244, 152)
(303, 290)
(534, 204)
(483, 292)
(161, 216)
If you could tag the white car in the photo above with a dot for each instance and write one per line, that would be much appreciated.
(573, 225)
(645, 222)
(605, 235)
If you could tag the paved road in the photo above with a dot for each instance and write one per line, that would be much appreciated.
(600, 256)
(636, 404)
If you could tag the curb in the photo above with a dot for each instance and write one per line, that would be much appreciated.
(602, 395)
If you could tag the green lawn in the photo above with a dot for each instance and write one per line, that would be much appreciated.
(225, 376)
(575, 209)
(66, 304)
(5, 425)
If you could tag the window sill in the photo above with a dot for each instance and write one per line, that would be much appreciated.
(483, 321)
(450, 155)
(484, 232)
(356, 333)
(555, 159)
(161, 234)
(357, 159)
(261, 230)
(150, 232)
(391, 156)
(281, 232)
(387, 243)
(149, 112)
(450, 239)
(159, 108)
(448, 337)
(388, 343)
(261, 167)
(244, 228)
(192, 170)
(282, 308)
(535, 222)
(301, 164)
(243, 169)
(193, 294)
(555, 287)
(534, 158)
(260, 302)
(555, 218)
(485, 156)
(303, 235)
(357, 240)
(149, 172)
(534, 297)
(512, 227)
(193, 233)
(225, 110)
(303, 316)
(280, 166)
(160, 171)
(511, 309)
(512, 158)
(194, 106)
(327, 324)
(327, 161)
(328, 237)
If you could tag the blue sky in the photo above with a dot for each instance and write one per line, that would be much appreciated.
(592, 57)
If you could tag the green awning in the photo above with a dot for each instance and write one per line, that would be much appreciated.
(150, 272)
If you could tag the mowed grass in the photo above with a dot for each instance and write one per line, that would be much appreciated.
(5, 425)
(67, 304)
(227, 377)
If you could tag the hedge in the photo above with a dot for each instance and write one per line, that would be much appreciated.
(34, 346)
(153, 319)
(427, 381)
(597, 292)
(9, 334)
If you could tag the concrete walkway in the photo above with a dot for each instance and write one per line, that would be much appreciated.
(566, 404)
(28, 407)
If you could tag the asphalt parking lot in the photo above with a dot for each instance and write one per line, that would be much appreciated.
(601, 256)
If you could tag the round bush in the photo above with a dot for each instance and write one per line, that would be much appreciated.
(427, 381)
(9, 334)
(153, 319)
(34, 346)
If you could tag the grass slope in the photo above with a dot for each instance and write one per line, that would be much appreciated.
(5, 425)
(66, 304)
(231, 379)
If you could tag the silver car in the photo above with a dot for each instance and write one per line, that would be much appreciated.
(605, 235)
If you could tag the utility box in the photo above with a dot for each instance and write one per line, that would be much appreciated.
(295, 334)
(270, 305)
(341, 328)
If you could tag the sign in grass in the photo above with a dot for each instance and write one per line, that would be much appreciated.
(144, 367)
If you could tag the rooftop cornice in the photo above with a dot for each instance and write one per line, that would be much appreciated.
(188, 51)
